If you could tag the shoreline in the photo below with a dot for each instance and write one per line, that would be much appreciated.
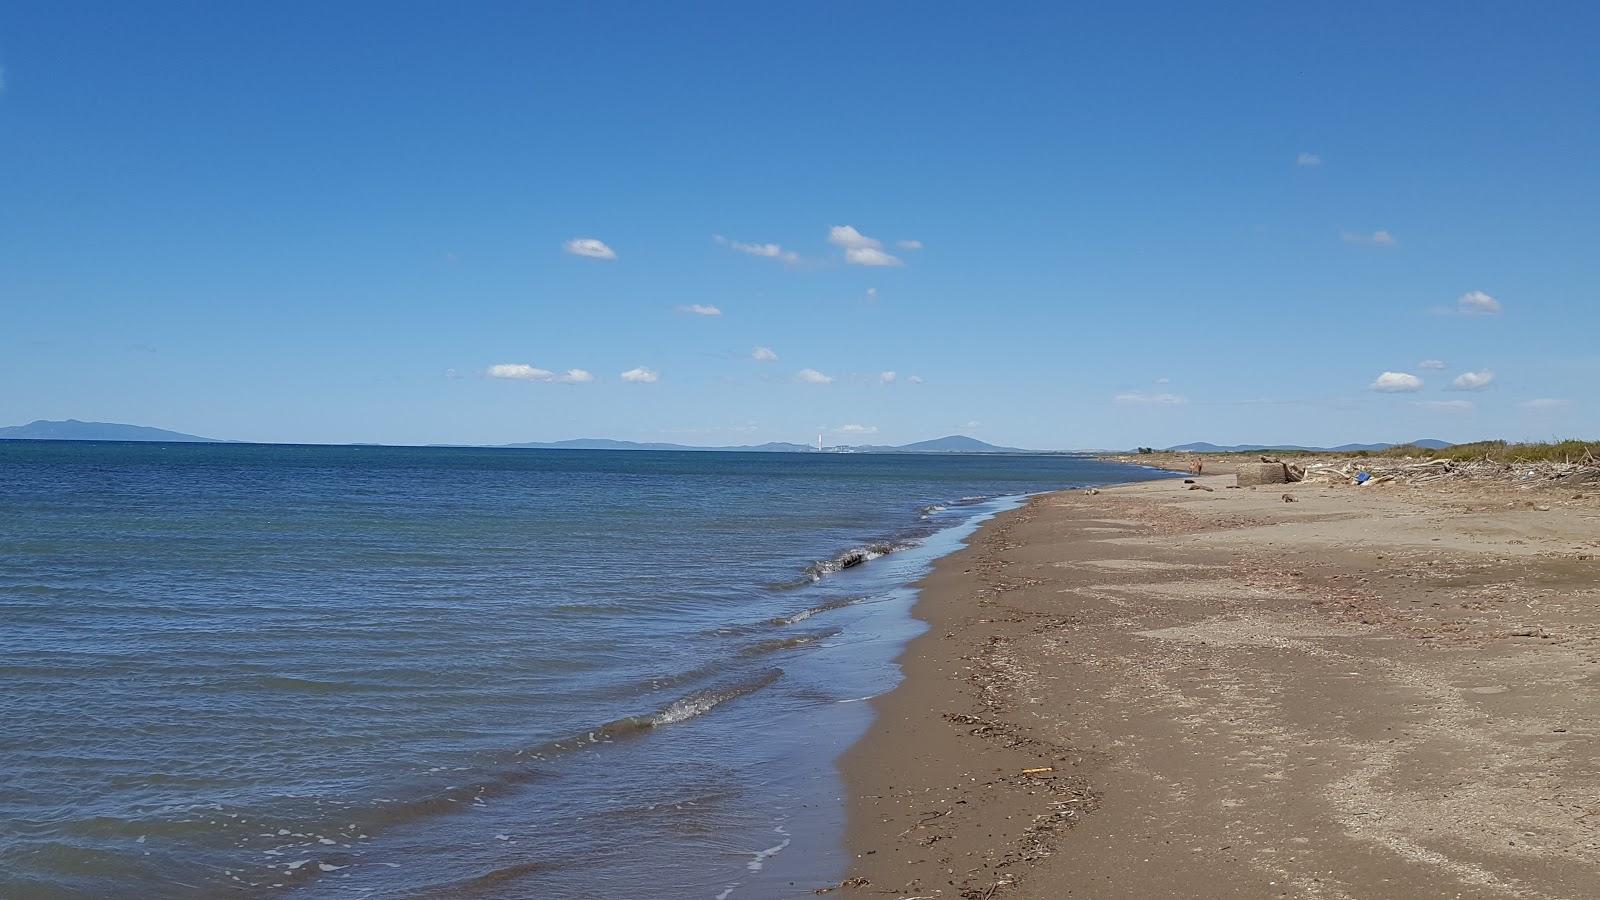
(1148, 691)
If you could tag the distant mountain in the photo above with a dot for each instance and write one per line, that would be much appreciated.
(1203, 447)
(955, 443)
(74, 430)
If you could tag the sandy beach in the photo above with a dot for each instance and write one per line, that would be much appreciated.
(1157, 691)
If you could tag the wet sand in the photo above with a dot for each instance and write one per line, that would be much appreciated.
(1152, 691)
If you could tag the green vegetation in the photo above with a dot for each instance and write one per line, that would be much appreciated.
(1567, 451)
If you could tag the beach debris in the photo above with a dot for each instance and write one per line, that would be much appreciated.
(1289, 499)
(1525, 474)
(1201, 487)
(857, 882)
(1039, 770)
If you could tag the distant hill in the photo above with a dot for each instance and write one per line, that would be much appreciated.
(955, 443)
(1203, 447)
(74, 430)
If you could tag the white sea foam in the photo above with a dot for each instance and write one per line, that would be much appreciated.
(761, 856)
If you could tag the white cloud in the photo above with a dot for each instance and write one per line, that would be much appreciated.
(698, 309)
(860, 250)
(812, 376)
(1379, 238)
(1543, 403)
(887, 377)
(1140, 398)
(1308, 159)
(763, 354)
(870, 256)
(1477, 303)
(856, 429)
(915, 379)
(848, 237)
(769, 251)
(1396, 383)
(519, 371)
(641, 375)
(1163, 380)
(594, 248)
(872, 293)
(1432, 364)
(451, 373)
(525, 372)
(1444, 405)
(908, 244)
(1472, 381)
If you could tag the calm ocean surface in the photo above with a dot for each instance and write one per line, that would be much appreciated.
(241, 670)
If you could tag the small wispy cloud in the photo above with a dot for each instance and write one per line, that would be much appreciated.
(1472, 381)
(1379, 238)
(1396, 383)
(908, 244)
(1544, 403)
(812, 376)
(856, 429)
(1432, 364)
(887, 377)
(525, 372)
(763, 354)
(915, 379)
(768, 251)
(860, 250)
(697, 309)
(641, 375)
(1308, 160)
(1477, 303)
(1144, 398)
(870, 256)
(593, 248)
(1444, 405)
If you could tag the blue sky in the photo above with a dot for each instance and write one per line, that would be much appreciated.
(1145, 224)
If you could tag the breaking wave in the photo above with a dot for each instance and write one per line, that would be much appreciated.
(761, 648)
(853, 557)
(805, 614)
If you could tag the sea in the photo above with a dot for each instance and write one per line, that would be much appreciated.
(237, 670)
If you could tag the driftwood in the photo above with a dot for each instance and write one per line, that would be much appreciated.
(1524, 474)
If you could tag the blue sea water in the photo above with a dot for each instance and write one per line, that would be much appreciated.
(249, 670)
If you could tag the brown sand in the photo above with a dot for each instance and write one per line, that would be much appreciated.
(1364, 693)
